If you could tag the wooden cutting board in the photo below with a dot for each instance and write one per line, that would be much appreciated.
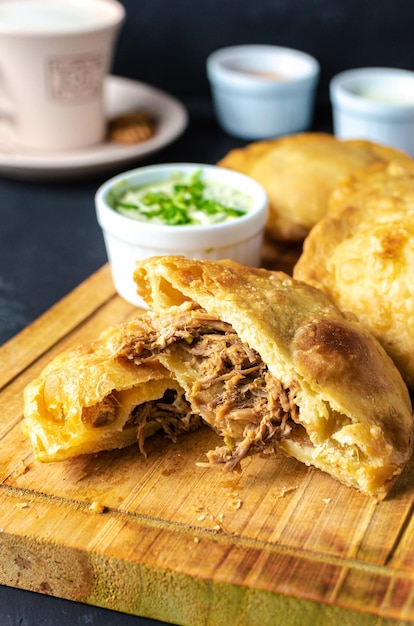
(161, 537)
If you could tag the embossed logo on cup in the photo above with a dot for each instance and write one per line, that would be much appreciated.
(75, 79)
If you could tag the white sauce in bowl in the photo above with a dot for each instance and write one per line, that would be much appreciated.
(181, 200)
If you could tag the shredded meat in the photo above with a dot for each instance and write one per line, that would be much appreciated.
(101, 414)
(233, 390)
(238, 396)
(153, 334)
(172, 413)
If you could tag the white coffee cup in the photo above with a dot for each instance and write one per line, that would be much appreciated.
(54, 56)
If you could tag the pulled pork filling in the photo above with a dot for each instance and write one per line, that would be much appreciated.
(171, 413)
(227, 383)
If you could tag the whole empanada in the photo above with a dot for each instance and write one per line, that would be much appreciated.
(362, 255)
(299, 173)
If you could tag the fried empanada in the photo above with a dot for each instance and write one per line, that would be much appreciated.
(265, 359)
(299, 173)
(86, 401)
(362, 255)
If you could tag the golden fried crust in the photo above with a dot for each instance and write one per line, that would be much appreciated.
(362, 255)
(299, 173)
(61, 406)
(244, 159)
(349, 390)
(388, 183)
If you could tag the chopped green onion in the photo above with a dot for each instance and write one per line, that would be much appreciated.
(176, 208)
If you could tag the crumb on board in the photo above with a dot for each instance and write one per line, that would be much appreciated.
(22, 505)
(21, 468)
(235, 503)
(204, 514)
(280, 493)
(96, 507)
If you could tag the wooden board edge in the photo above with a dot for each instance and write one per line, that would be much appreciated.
(178, 598)
(147, 580)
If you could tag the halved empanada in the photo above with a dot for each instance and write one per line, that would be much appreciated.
(264, 359)
(86, 401)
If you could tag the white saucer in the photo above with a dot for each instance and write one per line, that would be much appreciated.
(122, 94)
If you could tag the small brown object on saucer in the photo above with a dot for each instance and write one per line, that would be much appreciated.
(131, 128)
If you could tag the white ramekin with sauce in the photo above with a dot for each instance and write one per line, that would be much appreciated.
(375, 103)
(131, 235)
(261, 91)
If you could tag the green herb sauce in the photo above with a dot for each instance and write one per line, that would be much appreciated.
(183, 201)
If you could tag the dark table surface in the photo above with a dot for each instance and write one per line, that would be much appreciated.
(50, 242)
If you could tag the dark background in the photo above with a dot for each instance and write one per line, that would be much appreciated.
(49, 237)
(166, 42)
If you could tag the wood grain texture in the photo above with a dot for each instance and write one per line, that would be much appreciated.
(277, 543)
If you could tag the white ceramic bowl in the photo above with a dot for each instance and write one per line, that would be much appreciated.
(374, 103)
(128, 240)
(262, 91)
